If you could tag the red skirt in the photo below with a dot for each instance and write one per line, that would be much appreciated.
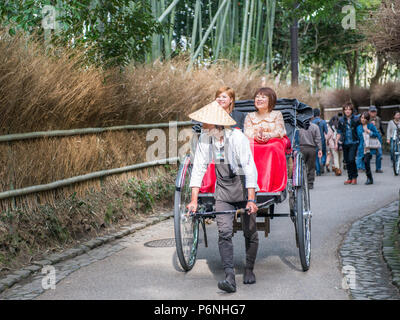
(270, 162)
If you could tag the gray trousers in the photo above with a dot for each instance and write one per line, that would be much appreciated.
(225, 233)
(309, 154)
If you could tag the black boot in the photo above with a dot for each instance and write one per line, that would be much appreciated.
(369, 181)
(249, 276)
(229, 284)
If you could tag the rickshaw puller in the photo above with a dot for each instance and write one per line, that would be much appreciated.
(236, 185)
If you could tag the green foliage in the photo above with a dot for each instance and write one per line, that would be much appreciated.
(141, 193)
(113, 211)
(113, 32)
(53, 224)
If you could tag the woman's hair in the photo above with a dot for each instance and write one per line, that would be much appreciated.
(366, 115)
(230, 92)
(334, 121)
(270, 93)
(348, 104)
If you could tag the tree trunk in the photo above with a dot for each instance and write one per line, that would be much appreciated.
(351, 61)
(380, 68)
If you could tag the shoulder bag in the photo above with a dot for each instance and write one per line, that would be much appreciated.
(370, 142)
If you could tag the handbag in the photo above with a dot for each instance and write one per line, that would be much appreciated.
(370, 142)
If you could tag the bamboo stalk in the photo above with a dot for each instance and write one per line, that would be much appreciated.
(167, 43)
(169, 9)
(249, 30)
(65, 133)
(194, 29)
(244, 28)
(222, 30)
(81, 178)
(200, 31)
(258, 29)
(206, 34)
(171, 29)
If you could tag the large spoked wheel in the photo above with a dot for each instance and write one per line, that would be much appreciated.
(396, 157)
(302, 212)
(186, 227)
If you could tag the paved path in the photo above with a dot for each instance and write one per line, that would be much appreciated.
(137, 271)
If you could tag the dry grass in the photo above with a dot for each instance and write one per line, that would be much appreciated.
(44, 92)
(384, 94)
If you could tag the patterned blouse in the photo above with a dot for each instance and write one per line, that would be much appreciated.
(270, 125)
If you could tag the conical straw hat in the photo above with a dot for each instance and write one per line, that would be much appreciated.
(213, 113)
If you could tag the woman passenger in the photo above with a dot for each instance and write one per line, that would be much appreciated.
(225, 96)
(266, 126)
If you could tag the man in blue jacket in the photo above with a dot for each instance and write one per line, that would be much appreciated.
(347, 134)
(323, 128)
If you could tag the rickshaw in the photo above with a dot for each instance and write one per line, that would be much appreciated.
(187, 225)
(396, 152)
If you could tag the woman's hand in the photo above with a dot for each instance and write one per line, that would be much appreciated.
(261, 137)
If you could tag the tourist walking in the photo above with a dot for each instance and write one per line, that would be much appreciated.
(320, 162)
(376, 121)
(347, 135)
(393, 125)
(333, 152)
(369, 129)
(310, 147)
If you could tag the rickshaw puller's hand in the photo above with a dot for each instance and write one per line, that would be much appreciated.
(192, 206)
(252, 207)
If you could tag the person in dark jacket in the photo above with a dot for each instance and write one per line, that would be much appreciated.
(377, 122)
(347, 134)
(364, 152)
(323, 128)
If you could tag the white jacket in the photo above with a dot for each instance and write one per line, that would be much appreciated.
(238, 155)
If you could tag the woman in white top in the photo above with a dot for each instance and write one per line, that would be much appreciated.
(392, 126)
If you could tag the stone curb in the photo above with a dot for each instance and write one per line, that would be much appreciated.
(19, 275)
(391, 252)
(379, 229)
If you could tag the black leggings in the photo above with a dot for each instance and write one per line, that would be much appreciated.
(367, 162)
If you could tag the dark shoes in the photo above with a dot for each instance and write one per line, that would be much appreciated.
(229, 284)
(379, 171)
(310, 186)
(369, 181)
(249, 276)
